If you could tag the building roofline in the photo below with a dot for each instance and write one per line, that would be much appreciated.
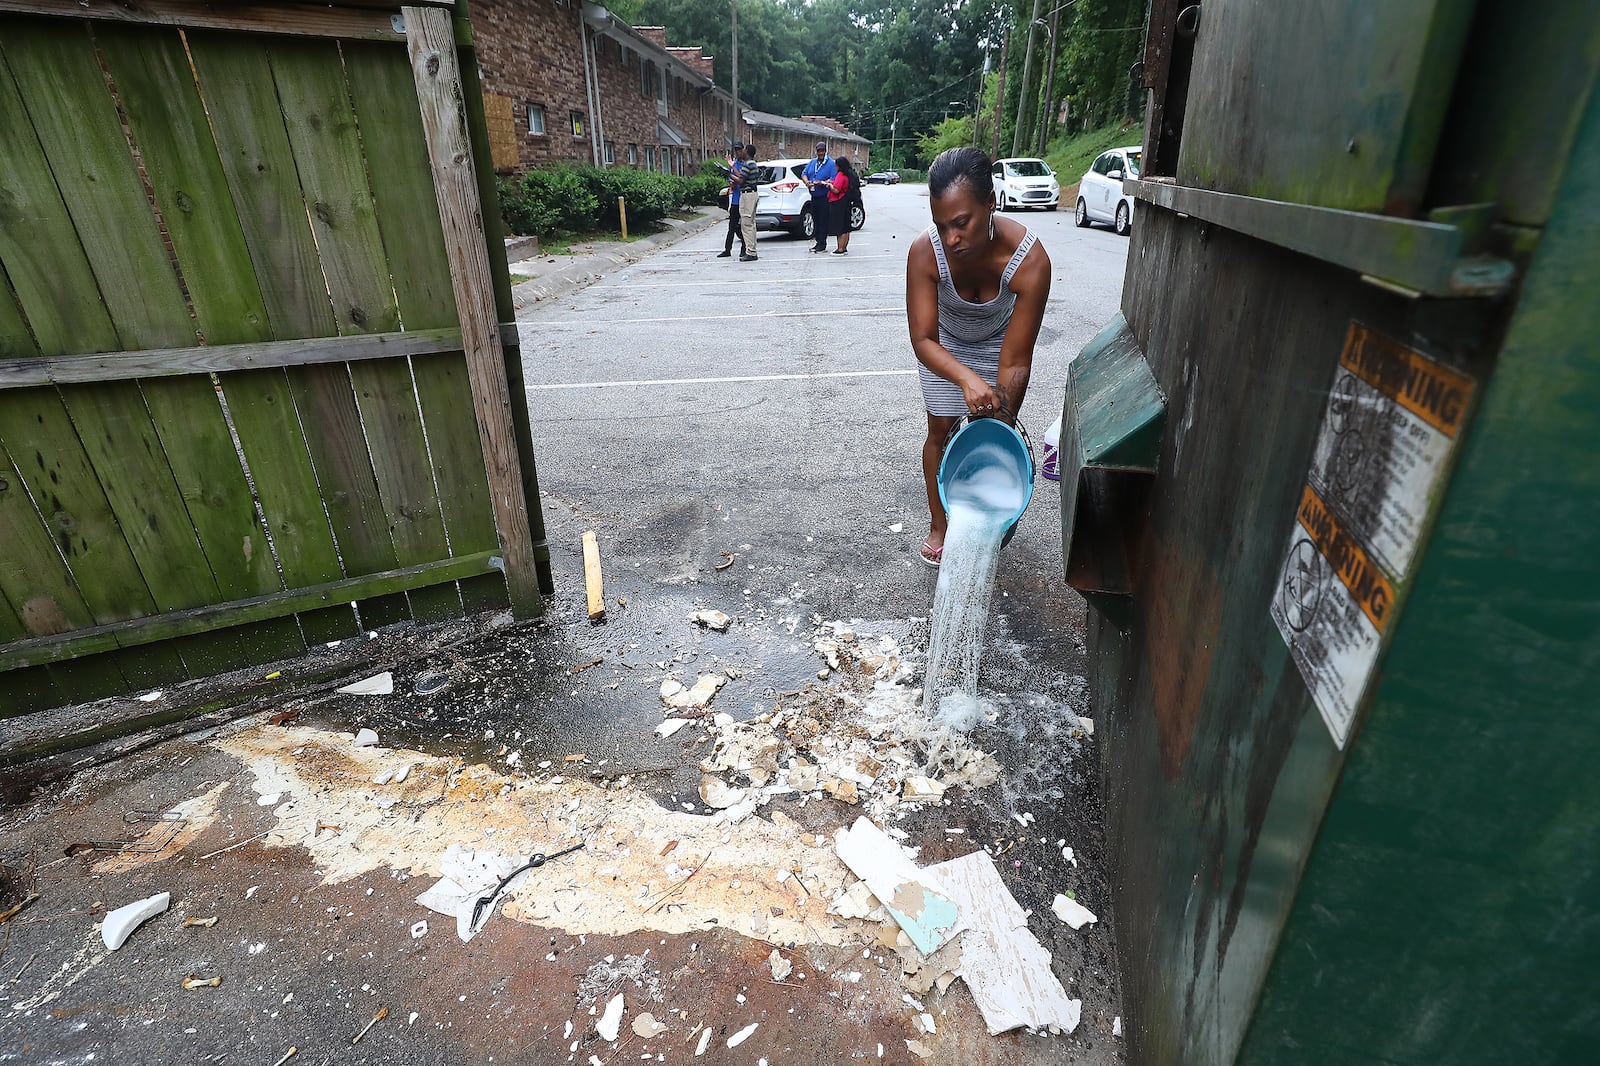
(603, 21)
(796, 125)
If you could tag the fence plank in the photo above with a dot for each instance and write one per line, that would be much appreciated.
(385, 98)
(76, 121)
(158, 94)
(296, 19)
(15, 341)
(430, 44)
(38, 246)
(61, 480)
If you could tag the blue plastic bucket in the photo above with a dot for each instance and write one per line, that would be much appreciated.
(978, 445)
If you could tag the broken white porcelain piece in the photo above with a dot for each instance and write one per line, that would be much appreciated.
(671, 726)
(1004, 965)
(120, 923)
(366, 738)
(610, 1019)
(467, 876)
(711, 620)
(915, 898)
(1072, 912)
(717, 793)
(780, 966)
(376, 685)
(269, 800)
(742, 1035)
(705, 1041)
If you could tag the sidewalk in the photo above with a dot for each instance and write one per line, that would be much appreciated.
(556, 275)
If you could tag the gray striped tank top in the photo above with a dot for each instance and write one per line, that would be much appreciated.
(972, 332)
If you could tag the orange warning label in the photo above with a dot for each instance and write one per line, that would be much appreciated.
(1357, 572)
(1426, 388)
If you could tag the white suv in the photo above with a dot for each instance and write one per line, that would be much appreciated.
(785, 202)
(1100, 195)
(1025, 183)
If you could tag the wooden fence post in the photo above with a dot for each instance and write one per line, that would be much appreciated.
(430, 42)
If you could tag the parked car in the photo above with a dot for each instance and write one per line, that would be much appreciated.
(785, 202)
(1025, 183)
(882, 177)
(1100, 195)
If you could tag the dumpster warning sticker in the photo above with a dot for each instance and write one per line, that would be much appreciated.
(1392, 422)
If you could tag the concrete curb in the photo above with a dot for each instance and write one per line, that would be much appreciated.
(561, 278)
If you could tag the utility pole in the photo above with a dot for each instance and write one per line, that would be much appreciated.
(894, 126)
(1047, 120)
(1000, 91)
(738, 111)
(1025, 106)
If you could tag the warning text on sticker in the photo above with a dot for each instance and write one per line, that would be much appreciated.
(1422, 386)
(1357, 572)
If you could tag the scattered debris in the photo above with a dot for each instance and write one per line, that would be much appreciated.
(593, 584)
(17, 908)
(716, 620)
(897, 527)
(718, 794)
(671, 726)
(366, 738)
(646, 1026)
(1072, 912)
(705, 1034)
(1116, 1026)
(269, 800)
(914, 898)
(283, 717)
(419, 929)
(430, 684)
(192, 982)
(610, 1020)
(376, 685)
(581, 667)
(151, 697)
(175, 823)
(287, 1055)
(1003, 964)
(673, 694)
(466, 876)
(727, 560)
(200, 923)
(917, 1047)
(383, 1012)
(780, 966)
(120, 923)
(742, 1035)
(20, 972)
(921, 790)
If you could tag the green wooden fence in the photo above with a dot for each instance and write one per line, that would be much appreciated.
(253, 395)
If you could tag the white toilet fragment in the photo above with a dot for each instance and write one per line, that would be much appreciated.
(610, 1020)
(1072, 912)
(366, 738)
(120, 923)
(376, 685)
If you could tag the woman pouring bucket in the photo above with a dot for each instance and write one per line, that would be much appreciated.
(976, 286)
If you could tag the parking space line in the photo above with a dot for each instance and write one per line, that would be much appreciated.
(608, 321)
(808, 280)
(722, 381)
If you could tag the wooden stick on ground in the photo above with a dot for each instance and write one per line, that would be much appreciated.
(591, 577)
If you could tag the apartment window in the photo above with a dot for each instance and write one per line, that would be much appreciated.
(646, 80)
(633, 155)
(611, 153)
(649, 157)
(576, 118)
(535, 120)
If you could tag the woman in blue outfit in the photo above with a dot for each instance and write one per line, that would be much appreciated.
(976, 287)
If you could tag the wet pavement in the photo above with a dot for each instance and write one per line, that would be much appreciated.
(782, 436)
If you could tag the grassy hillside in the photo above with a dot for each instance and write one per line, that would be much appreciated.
(1069, 157)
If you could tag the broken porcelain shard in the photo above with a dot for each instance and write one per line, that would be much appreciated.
(610, 1020)
(1072, 912)
(120, 923)
(376, 685)
(646, 1026)
(716, 620)
(780, 966)
(366, 738)
(717, 793)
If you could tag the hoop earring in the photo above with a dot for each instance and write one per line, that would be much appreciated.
(991, 225)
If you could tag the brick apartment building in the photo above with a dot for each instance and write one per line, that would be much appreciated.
(566, 81)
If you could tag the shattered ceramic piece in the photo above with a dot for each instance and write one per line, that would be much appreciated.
(706, 686)
(780, 966)
(716, 620)
(1004, 965)
(742, 1035)
(383, 778)
(1087, 724)
(401, 774)
(269, 800)
(610, 1020)
(366, 738)
(1072, 912)
(717, 793)
(376, 685)
(1116, 1026)
(120, 923)
(671, 726)
(921, 790)
(857, 901)
(705, 1041)
(917, 1047)
(914, 898)
(646, 1026)
(843, 791)
(670, 688)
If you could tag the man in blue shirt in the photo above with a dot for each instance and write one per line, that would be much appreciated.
(818, 175)
(735, 184)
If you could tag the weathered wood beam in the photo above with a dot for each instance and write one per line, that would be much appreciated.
(219, 358)
(133, 632)
(361, 23)
(430, 42)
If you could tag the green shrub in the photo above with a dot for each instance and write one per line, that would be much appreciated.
(548, 199)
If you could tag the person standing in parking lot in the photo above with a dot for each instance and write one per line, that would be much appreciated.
(747, 204)
(735, 186)
(819, 175)
(843, 194)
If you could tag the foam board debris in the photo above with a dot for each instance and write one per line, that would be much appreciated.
(914, 898)
(1003, 964)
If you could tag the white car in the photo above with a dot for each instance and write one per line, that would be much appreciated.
(1100, 195)
(1025, 183)
(785, 202)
